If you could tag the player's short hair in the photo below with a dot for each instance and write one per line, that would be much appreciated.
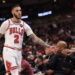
(17, 5)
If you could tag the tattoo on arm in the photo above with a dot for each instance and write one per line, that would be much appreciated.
(39, 41)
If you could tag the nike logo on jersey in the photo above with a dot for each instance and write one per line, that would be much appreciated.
(16, 30)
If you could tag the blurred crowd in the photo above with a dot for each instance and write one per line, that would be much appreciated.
(59, 60)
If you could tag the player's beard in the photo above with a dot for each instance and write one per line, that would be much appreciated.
(17, 16)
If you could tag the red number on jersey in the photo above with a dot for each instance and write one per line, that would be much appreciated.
(16, 39)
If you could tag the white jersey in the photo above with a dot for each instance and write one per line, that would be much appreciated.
(14, 33)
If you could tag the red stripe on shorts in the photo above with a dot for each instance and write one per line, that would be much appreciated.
(8, 66)
(15, 67)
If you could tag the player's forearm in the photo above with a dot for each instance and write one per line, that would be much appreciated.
(41, 42)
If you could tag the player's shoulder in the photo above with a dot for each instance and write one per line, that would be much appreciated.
(6, 21)
(24, 23)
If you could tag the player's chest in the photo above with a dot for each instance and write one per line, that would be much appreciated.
(16, 29)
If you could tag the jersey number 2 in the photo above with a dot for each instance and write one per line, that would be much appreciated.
(16, 39)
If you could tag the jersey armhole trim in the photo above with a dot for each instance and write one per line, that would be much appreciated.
(8, 24)
(23, 26)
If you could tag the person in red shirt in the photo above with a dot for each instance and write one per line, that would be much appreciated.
(26, 67)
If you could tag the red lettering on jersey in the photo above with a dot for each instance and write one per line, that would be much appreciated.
(21, 32)
(10, 31)
(13, 30)
(16, 30)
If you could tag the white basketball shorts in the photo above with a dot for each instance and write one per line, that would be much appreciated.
(12, 59)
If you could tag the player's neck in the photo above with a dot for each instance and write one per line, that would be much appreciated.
(15, 20)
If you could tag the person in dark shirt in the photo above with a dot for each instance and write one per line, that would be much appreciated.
(49, 54)
(71, 65)
(57, 59)
(2, 68)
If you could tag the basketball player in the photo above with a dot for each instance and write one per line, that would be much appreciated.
(13, 29)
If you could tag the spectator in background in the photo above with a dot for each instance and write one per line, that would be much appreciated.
(26, 67)
(39, 64)
(55, 65)
(49, 54)
(30, 59)
(2, 67)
